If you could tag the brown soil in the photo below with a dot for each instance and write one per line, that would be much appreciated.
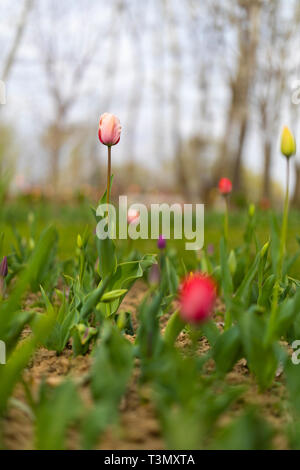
(138, 427)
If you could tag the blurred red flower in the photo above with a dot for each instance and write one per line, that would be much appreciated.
(225, 186)
(197, 297)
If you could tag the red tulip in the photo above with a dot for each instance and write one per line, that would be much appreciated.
(225, 186)
(109, 129)
(197, 297)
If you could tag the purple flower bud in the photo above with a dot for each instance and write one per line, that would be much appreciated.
(3, 267)
(161, 243)
(210, 249)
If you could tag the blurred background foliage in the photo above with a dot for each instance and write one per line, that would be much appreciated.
(71, 219)
(202, 90)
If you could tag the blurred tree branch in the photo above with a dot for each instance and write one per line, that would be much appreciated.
(66, 66)
(295, 113)
(175, 96)
(271, 79)
(245, 20)
(28, 5)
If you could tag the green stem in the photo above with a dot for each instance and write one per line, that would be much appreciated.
(108, 175)
(226, 230)
(284, 223)
(174, 326)
(130, 245)
(260, 285)
(282, 250)
(227, 320)
(82, 266)
(108, 182)
(2, 288)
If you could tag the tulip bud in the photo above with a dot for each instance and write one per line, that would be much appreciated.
(79, 241)
(264, 249)
(4, 267)
(133, 217)
(122, 320)
(109, 129)
(225, 186)
(288, 143)
(232, 263)
(197, 297)
(251, 210)
(82, 336)
(31, 244)
(210, 249)
(161, 243)
(87, 333)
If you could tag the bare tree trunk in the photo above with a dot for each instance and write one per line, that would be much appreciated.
(231, 151)
(55, 158)
(78, 59)
(271, 84)
(296, 195)
(137, 85)
(175, 91)
(110, 68)
(222, 167)
(267, 171)
(54, 140)
(158, 108)
(237, 170)
(28, 4)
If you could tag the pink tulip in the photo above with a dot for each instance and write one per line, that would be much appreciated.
(109, 129)
(133, 217)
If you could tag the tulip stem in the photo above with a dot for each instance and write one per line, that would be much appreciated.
(108, 174)
(281, 257)
(174, 327)
(2, 288)
(226, 230)
(284, 220)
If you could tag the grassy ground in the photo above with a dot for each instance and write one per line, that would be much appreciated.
(140, 426)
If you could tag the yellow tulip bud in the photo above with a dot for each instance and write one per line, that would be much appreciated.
(31, 244)
(232, 263)
(288, 143)
(79, 241)
(264, 249)
(251, 210)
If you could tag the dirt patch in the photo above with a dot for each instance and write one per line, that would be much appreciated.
(138, 427)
